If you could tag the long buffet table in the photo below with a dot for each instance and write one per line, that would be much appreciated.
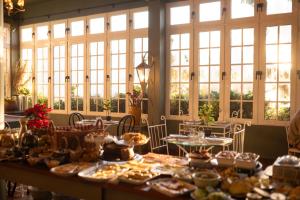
(75, 186)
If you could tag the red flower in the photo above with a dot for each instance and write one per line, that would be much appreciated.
(38, 116)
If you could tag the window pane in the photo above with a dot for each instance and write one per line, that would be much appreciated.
(209, 70)
(26, 34)
(240, 9)
(77, 28)
(59, 78)
(42, 32)
(140, 20)
(210, 11)
(278, 68)
(59, 30)
(96, 25)
(278, 7)
(42, 75)
(242, 61)
(182, 18)
(179, 74)
(118, 23)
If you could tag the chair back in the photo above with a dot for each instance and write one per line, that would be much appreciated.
(156, 133)
(238, 137)
(74, 117)
(126, 124)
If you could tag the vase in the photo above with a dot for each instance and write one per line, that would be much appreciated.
(136, 112)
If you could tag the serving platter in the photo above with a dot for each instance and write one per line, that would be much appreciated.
(171, 187)
(70, 169)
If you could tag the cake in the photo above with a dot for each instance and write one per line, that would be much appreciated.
(113, 151)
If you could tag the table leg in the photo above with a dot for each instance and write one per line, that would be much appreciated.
(3, 192)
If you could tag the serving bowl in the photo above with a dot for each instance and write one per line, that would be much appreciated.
(206, 178)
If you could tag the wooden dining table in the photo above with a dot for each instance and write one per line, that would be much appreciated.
(77, 187)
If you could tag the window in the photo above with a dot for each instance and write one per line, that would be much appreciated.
(118, 66)
(140, 51)
(88, 63)
(96, 25)
(27, 58)
(241, 9)
(59, 30)
(278, 7)
(77, 28)
(182, 18)
(118, 23)
(241, 72)
(210, 11)
(209, 70)
(26, 34)
(239, 61)
(278, 72)
(42, 32)
(140, 20)
(59, 78)
(179, 73)
(77, 76)
(6, 60)
(42, 68)
(96, 52)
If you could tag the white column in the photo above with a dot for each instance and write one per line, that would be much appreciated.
(1, 67)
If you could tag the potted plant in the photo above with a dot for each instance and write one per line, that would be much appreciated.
(206, 116)
(107, 108)
(19, 82)
(135, 100)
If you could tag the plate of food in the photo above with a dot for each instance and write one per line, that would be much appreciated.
(102, 173)
(134, 139)
(165, 159)
(137, 176)
(171, 187)
(226, 158)
(246, 160)
(70, 169)
(199, 158)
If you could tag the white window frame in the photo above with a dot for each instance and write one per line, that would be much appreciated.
(133, 34)
(99, 37)
(259, 21)
(42, 44)
(76, 40)
(29, 45)
(178, 29)
(56, 42)
(278, 20)
(217, 25)
(118, 35)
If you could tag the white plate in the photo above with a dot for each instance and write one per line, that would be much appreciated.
(87, 174)
(136, 157)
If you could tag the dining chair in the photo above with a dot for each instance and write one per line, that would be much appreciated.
(291, 150)
(156, 133)
(74, 117)
(126, 124)
(238, 137)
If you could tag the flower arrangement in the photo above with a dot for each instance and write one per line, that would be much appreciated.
(18, 79)
(38, 116)
(135, 98)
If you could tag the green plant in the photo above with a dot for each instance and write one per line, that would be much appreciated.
(107, 106)
(206, 113)
(42, 100)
